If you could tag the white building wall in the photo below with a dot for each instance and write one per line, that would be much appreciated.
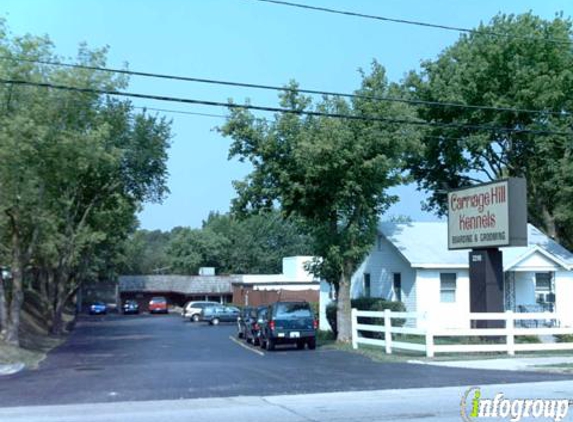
(564, 297)
(446, 315)
(382, 262)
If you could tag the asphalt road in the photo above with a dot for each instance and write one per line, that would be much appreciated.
(135, 358)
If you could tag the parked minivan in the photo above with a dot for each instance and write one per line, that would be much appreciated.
(289, 323)
(192, 310)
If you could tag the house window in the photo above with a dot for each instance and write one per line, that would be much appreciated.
(543, 289)
(398, 286)
(447, 287)
(367, 284)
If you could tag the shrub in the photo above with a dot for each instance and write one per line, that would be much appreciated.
(367, 304)
(527, 339)
(564, 338)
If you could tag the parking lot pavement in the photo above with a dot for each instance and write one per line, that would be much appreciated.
(118, 358)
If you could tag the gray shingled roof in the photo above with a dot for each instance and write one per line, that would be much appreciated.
(186, 284)
(424, 244)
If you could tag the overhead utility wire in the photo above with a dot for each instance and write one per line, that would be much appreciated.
(279, 88)
(410, 22)
(280, 110)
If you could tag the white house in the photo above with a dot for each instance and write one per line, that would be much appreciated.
(411, 263)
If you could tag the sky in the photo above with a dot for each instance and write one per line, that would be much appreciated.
(254, 42)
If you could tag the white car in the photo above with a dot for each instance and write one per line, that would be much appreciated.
(192, 310)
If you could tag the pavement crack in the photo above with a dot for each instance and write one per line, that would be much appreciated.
(291, 411)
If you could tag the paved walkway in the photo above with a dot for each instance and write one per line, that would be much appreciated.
(505, 364)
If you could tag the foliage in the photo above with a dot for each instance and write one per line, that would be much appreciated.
(564, 338)
(523, 70)
(527, 339)
(331, 174)
(252, 245)
(367, 304)
(76, 167)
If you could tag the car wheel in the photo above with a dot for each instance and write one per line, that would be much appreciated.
(271, 344)
(312, 343)
(195, 318)
(300, 345)
(215, 321)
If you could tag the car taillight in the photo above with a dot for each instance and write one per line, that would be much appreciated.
(315, 324)
(272, 325)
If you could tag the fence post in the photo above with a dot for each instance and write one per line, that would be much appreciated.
(388, 331)
(354, 322)
(510, 328)
(429, 336)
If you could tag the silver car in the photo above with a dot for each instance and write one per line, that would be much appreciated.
(192, 310)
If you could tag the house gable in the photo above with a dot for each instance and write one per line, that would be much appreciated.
(536, 259)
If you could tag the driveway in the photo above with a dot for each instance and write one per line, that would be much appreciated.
(133, 358)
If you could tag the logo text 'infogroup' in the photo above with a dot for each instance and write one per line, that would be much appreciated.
(474, 407)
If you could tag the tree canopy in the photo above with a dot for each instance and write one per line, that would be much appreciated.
(527, 68)
(76, 168)
(330, 173)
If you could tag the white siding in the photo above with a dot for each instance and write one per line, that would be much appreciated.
(382, 262)
(564, 297)
(446, 315)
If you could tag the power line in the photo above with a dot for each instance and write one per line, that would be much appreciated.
(287, 89)
(282, 110)
(415, 23)
(191, 113)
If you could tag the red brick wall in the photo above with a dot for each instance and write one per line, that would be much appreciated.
(243, 295)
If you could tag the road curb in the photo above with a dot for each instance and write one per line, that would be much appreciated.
(11, 369)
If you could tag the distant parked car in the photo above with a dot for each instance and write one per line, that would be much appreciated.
(98, 308)
(158, 304)
(289, 323)
(217, 314)
(253, 325)
(244, 315)
(192, 310)
(130, 307)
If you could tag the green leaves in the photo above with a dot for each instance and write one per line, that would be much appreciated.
(520, 71)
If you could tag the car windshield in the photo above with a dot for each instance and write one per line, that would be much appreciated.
(293, 310)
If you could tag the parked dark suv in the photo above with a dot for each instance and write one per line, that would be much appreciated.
(289, 323)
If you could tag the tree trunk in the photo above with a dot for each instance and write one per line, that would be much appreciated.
(57, 326)
(17, 297)
(3, 308)
(343, 318)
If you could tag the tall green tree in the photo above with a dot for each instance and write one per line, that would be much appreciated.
(528, 66)
(331, 173)
(80, 165)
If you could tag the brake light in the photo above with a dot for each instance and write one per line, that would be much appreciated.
(272, 325)
(315, 324)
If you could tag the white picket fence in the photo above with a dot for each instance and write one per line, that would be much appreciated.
(430, 329)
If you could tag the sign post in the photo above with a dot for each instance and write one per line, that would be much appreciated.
(484, 218)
